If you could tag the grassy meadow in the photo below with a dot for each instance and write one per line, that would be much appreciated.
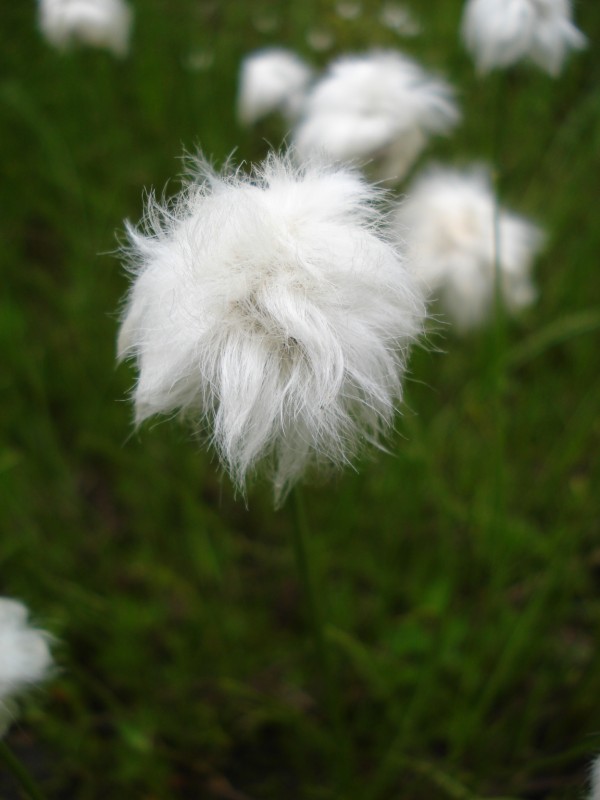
(459, 573)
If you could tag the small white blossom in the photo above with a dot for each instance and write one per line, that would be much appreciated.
(499, 33)
(319, 40)
(379, 108)
(199, 60)
(348, 9)
(275, 312)
(265, 23)
(99, 23)
(400, 19)
(24, 655)
(448, 226)
(272, 80)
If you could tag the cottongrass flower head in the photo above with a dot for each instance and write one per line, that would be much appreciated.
(499, 33)
(99, 23)
(348, 9)
(320, 39)
(380, 107)
(273, 310)
(447, 226)
(399, 19)
(265, 23)
(25, 658)
(272, 80)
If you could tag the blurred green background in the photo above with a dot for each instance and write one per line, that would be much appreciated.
(466, 653)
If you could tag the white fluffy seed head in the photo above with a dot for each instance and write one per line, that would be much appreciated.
(380, 107)
(24, 654)
(273, 310)
(272, 80)
(447, 226)
(98, 23)
(399, 19)
(499, 33)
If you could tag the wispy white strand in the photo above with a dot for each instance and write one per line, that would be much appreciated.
(499, 33)
(380, 107)
(98, 23)
(446, 225)
(273, 310)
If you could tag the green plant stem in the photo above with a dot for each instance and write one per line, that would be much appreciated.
(20, 773)
(499, 334)
(331, 695)
(497, 523)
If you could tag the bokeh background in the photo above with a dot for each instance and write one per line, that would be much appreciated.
(467, 653)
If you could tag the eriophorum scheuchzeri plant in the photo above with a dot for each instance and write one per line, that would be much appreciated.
(25, 658)
(25, 661)
(378, 110)
(96, 23)
(272, 80)
(273, 311)
(446, 227)
(499, 33)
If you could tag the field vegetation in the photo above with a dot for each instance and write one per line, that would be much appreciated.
(459, 574)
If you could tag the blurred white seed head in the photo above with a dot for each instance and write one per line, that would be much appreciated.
(595, 779)
(348, 9)
(265, 23)
(380, 108)
(24, 655)
(447, 226)
(99, 23)
(199, 60)
(498, 33)
(399, 19)
(272, 80)
(320, 39)
(273, 311)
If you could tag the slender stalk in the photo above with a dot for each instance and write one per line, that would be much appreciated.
(497, 525)
(499, 333)
(308, 582)
(20, 773)
(329, 686)
(497, 522)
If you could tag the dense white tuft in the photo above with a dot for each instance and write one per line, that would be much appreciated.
(595, 779)
(498, 33)
(273, 310)
(379, 107)
(99, 23)
(24, 654)
(272, 80)
(447, 225)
